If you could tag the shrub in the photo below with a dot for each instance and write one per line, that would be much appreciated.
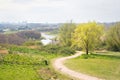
(32, 42)
(29, 43)
(67, 50)
(21, 49)
(51, 48)
(21, 59)
(58, 49)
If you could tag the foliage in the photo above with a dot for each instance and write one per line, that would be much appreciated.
(48, 51)
(67, 50)
(20, 49)
(113, 37)
(19, 37)
(32, 43)
(27, 64)
(87, 35)
(65, 33)
(51, 49)
(55, 49)
(21, 59)
(29, 34)
(11, 39)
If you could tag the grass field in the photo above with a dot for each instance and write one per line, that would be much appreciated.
(102, 65)
(27, 64)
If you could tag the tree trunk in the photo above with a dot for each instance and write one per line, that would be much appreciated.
(87, 48)
(87, 51)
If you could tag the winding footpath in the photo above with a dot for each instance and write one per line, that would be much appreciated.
(58, 65)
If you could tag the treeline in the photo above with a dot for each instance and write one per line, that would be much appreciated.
(90, 36)
(113, 37)
(19, 37)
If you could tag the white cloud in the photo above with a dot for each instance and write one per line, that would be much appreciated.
(59, 10)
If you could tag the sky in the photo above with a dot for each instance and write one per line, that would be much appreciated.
(59, 11)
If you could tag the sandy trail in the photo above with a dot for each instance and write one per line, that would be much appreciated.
(58, 65)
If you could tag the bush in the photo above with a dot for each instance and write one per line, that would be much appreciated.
(51, 48)
(32, 43)
(21, 59)
(29, 43)
(58, 49)
(22, 49)
(67, 50)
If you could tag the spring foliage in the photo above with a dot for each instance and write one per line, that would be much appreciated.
(113, 37)
(87, 35)
(65, 33)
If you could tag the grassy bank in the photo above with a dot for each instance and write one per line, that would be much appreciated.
(102, 65)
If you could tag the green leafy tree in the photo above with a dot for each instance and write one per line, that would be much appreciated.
(86, 36)
(65, 33)
(113, 37)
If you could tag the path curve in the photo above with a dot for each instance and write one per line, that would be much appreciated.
(58, 65)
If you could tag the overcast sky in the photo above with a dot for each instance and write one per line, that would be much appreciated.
(59, 10)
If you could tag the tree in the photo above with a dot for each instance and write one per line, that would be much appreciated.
(19, 38)
(87, 35)
(113, 37)
(65, 33)
(29, 34)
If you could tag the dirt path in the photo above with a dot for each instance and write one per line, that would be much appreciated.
(58, 65)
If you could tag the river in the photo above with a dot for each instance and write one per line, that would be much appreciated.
(47, 38)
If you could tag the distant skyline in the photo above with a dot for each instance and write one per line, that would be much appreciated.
(59, 11)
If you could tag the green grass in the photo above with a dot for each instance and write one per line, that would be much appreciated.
(27, 64)
(17, 72)
(19, 67)
(106, 66)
